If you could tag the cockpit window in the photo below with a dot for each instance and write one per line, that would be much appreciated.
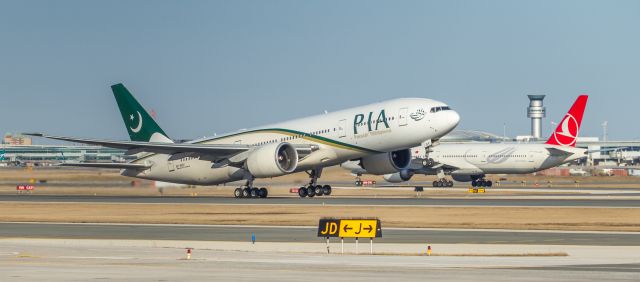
(437, 109)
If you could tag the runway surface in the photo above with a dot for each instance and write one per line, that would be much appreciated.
(528, 201)
(308, 234)
(113, 260)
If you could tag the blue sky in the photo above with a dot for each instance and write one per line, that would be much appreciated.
(217, 66)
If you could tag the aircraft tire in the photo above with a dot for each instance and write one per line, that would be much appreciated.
(237, 193)
(449, 183)
(318, 190)
(302, 192)
(489, 183)
(246, 193)
(255, 192)
(435, 183)
(263, 192)
(311, 191)
(326, 190)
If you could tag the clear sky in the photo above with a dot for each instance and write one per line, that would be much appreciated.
(218, 66)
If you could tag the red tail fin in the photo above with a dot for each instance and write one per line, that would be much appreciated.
(567, 130)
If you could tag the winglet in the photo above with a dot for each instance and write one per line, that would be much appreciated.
(140, 125)
(567, 130)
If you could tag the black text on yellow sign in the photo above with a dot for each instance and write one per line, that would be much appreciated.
(350, 228)
(361, 228)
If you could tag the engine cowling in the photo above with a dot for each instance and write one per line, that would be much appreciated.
(386, 163)
(272, 160)
(401, 176)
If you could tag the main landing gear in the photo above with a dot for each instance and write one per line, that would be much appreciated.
(250, 192)
(313, 189)
(442, 183)
(481, 183)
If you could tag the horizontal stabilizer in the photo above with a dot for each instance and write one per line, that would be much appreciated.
(558, 151)
(109, 165)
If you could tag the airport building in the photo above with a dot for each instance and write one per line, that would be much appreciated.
(41, 155)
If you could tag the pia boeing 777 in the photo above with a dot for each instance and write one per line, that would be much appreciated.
(379, 135)
(472, 161)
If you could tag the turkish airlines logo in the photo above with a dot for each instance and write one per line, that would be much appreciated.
(566, 133)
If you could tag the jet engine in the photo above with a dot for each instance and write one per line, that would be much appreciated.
(385, 163)
(401, 176)
(272, 160)
(461, 177)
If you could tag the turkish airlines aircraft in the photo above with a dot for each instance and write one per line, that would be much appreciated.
(379, 135)
(471, 162)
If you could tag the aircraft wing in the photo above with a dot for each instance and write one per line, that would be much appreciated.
(109, 165)
(132, 147)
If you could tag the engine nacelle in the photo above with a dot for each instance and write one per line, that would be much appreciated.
(386, 163)
(272, 160)
(401, 176)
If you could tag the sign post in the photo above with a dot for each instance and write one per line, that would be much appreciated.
(371, 246)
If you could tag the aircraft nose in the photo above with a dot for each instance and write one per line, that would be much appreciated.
(452, 120)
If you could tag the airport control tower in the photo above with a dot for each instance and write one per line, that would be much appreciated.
(536, 112)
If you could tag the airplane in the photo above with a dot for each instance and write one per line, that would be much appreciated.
(380, 135)
(472, 161)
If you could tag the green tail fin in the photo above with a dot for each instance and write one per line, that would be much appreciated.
(139, 123)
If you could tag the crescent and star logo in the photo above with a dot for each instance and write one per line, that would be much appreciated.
(137, 128)
(569, 127)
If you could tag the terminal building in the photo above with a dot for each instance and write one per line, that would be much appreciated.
(43, 155)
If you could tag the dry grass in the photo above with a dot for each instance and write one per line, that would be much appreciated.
(538, 218)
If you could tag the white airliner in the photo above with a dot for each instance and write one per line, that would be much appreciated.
(472, 161)
(379, 135)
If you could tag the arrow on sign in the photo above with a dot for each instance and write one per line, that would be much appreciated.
(346, 227)
(369, 228)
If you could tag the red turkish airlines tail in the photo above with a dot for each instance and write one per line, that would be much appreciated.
(567, 130)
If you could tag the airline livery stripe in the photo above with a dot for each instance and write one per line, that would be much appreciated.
(290, 132)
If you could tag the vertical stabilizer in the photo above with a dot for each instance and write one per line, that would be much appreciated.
(139, 123)
(567, 130)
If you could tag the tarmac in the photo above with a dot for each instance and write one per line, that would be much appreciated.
(494, 201)
(41, 251)
(130, 260)
(308, 234)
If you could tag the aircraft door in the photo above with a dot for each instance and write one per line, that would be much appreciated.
(402, 116)
(342, 131)
(171, 165)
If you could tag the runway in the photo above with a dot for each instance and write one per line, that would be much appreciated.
(523, 201)
(121, 260)
(308, 234)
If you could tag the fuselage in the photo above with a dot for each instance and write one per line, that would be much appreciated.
(339, 136)
(501, 158)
